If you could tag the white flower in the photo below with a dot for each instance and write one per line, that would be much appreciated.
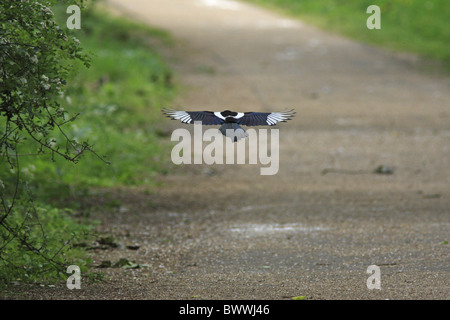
(76, 41)
(23, 81)
(28, 171)
(34, 59)
(52, 143)
(45, 83)
(46, 10)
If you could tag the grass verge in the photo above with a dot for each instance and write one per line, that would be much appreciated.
(414, 26)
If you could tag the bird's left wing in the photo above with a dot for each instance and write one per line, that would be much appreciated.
(265, 118)
(206, 117)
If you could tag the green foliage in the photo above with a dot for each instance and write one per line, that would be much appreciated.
(118, 100)
(406, 25)
(36, 243)
(33, 56)
(52, 109)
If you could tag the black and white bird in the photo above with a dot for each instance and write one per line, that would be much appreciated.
(231, 120)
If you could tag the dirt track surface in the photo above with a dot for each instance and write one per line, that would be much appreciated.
(227, 232)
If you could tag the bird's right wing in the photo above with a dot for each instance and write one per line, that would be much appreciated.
(265, 118)
(206, 117)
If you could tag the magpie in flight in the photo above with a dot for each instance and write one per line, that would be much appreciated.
(231, 120)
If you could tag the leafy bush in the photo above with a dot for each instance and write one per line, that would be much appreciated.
(37, 243)
(35, 55)
(114, 105)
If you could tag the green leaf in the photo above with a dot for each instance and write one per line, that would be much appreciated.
(105, 264)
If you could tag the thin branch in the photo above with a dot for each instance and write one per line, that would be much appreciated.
(8, 210)
(23, 155)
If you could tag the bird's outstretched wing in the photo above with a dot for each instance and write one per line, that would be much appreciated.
(206, 117)
(265, 118)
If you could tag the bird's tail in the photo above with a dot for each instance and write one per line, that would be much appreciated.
(233, 131)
